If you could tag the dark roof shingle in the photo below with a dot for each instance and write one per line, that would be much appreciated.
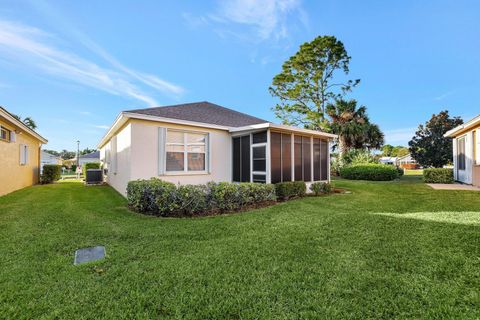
(204, 112)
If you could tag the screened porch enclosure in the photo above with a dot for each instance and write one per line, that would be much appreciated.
(273, 157)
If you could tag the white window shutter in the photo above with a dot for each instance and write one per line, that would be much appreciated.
(162, 136)
(13, 136)
(209, 154)
(26, 154)
(22, 154)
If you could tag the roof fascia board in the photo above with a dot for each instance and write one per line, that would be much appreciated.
(7, 115)
(465, 126)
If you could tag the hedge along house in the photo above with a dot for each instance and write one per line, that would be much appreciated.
(19, 154)
(200, 142)
(466, 151)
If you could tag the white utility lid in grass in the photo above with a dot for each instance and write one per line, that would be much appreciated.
(89, 254)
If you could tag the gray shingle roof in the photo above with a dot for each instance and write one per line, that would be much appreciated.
(93, 155)
(204, 112)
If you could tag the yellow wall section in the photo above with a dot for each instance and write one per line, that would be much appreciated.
(14, 176)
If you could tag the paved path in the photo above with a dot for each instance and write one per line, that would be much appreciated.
(455, 186)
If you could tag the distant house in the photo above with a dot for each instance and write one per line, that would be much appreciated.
(407, 162)
(48, 158)
(200, 142)
(86, 158)
(388, 160)
(19, 154)
(466, 151)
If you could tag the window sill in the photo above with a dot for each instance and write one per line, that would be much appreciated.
(183, 173)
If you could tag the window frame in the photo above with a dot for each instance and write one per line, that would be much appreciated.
(185, 151)
(8, 132)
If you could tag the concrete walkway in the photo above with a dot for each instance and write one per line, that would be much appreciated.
(455, 186)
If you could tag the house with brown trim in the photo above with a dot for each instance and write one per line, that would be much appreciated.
(20, 149)
(196, 143)
(466, 151)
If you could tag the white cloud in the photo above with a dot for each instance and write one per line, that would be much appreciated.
(399, 136)
(267, 17)
(444, 95)
(104, 127)
(31, 47)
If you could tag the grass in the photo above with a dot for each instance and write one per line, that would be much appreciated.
(414, 172)
(388, 250)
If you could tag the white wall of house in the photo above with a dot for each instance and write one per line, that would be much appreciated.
(139, 151)
(116, 158)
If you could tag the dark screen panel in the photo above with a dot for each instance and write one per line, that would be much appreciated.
(307, 159)
(245, 159)
(259, 137)
(286, 157)
(236, 160)
(316, 159)
(298, 158)
(276, 157)
(323, 160)
(259, 178)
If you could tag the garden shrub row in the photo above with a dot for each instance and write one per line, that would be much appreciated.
(290, 189)
(163, 198)
(438, 175)
(369, 171)
(50, 173)
(321, 188)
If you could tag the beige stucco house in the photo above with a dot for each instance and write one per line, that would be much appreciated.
(466, 151)
(200, 142)
(19, 154)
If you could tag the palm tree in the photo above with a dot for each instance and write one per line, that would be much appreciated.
(28, 121)
(353, 126)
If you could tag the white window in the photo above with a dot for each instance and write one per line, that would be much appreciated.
(23, 154)
(186, 151)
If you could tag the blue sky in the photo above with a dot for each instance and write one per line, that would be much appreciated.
(74, 65)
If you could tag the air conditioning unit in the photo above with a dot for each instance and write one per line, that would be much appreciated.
(94, 176)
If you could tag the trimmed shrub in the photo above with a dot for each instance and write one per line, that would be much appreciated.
(372, 172)
(51, 173)
(290, 189)
(157, 197)
(152, 196)
(438, 175)
(400, 171)
(90, 165)
(192, 199)
(74, 168)
(321, 188)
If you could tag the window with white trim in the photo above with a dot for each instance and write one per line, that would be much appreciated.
(186, 151)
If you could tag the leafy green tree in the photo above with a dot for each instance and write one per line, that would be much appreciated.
(67, 155)
(87, 151)
(52, 152)
(398, 151)
(387, 150)
(429, 147)
(353, 127)
(308, 82)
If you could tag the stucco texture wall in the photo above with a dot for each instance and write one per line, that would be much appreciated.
(14, 176)
(138, 155)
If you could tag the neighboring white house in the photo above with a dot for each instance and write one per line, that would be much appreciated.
(466, 151)
(406, 161)
(86, 158)
(48, 158)
(200, 142)
(388, 160)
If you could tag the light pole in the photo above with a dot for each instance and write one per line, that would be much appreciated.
(78, 153)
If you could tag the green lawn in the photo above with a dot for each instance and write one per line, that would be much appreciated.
(388, 250)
